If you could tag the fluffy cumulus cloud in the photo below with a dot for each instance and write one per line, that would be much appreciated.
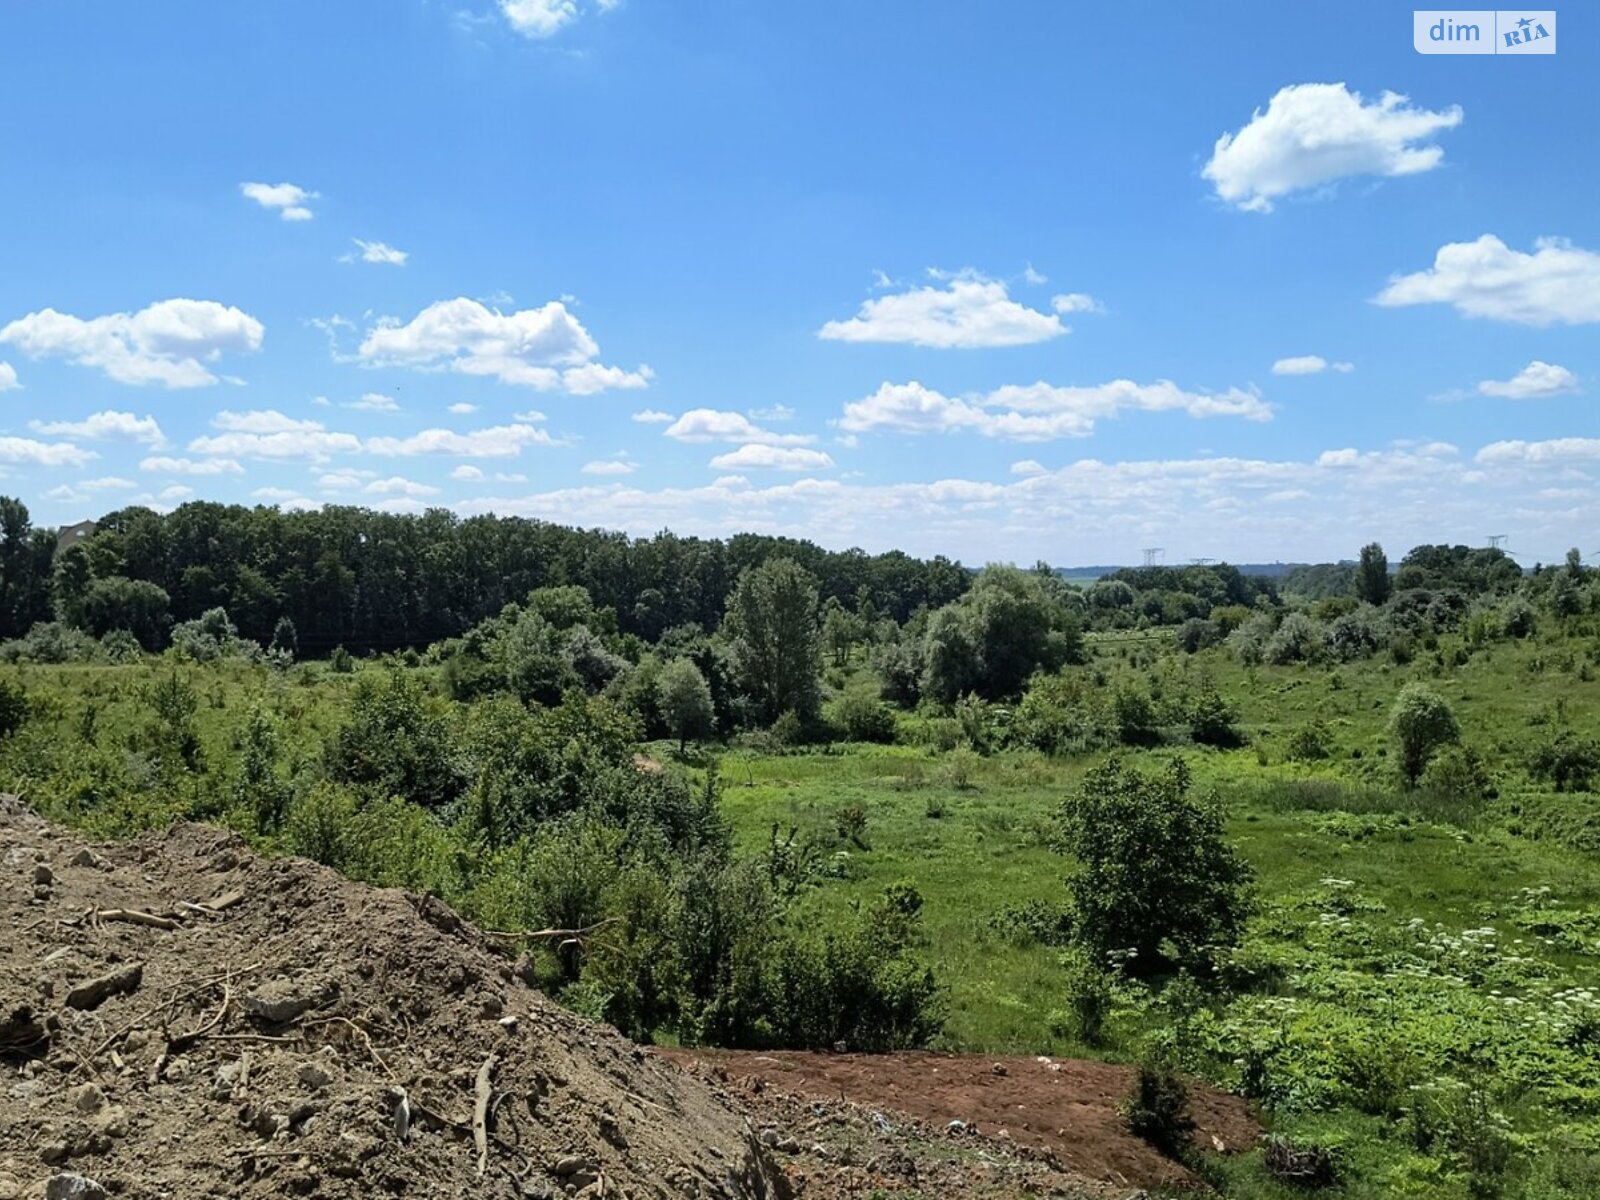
(1076, 302)
(1556, 451)
(398, 485)
(967, 312)
(463, 409)
(106, 426)
(546, 348)
(1309, 364)
(28, 452)
(1027, 466)
(609, 466)
(714, 425)
(377, 252)
(192, 466)
(376, 402)
(167, 343)
(500, 441)
(1558, 284)
(270, 434)
(467, 473)
(1534, 381)
(1313, 134)
(8, 377)
(1038, 412)
(651, 416)
(762, 455)
(539, 18)
(288, 200)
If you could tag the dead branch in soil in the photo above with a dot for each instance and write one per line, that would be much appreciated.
(482, 1091)
(133, 916)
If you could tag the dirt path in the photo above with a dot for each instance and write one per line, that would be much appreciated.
(1067, 1108)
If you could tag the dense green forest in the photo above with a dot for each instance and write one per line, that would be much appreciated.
(1330, 841)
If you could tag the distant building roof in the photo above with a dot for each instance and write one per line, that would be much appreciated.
(68, 534)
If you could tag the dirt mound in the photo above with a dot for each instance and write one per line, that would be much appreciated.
(182, 1018)
(1065, 1109)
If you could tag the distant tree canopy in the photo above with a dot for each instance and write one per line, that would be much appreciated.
(1010, 624)
(1372, 575)
(1474, 570)
(383, 581)
(772, 624)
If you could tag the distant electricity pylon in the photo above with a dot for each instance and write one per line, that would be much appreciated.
(1497, 541)
(1201, 562)
(1152, 556)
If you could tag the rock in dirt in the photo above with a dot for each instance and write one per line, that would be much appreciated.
(70, 1186)
(94, 992)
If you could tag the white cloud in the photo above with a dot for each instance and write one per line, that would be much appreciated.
(1554, 451)
(1093, 511)
(969, 312)
(462, 408)
(730, 481)
(270, 434)
(109, 483)
(376, 402)
(775, 412)
(539, 18)
(502, 441)
(1038, 412)
(1558, 283)
(175, 492)
(467, 473)
(274, 493)
(770, 457)
(650, 416)
(546, 348)
(43, 454)
(191, 466)
(609, 466)
(1313, 134)
(1028, 466)
(1309, 364)
(339, 481)
(286, 198)
(377, 252)
(8, 377)
(398, 485)
(106, 425)
(1076, 302)
(1536, 380)
(714, 425)
(167, 342)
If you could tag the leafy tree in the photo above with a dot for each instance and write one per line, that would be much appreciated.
(684, 699)
(395, 742)
(1007, 626)
(285, 639)
(25, 565)
(70, 587)
(842, 631)
(118, 602)
(772, 626)
(1420, 723)
(1155, 878)
(1372, 574)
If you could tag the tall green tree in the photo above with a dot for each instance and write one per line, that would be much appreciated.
(1372, 574)
(1420, 723)
(684, 698)
(25, 563)
(777, 645)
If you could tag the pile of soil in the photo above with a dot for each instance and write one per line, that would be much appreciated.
(1063, 1111)
(182, 1018)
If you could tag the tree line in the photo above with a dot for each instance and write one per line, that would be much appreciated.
(372, 581)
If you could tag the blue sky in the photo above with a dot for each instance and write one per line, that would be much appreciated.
(1015, 281)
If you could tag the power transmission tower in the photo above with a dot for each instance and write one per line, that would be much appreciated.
(1201, 562)
(1497, 541)
(1152, 556)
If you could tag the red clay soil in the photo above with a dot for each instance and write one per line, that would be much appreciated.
(1066, 1107)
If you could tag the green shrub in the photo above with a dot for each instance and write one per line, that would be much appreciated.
(861, 717)
(394, 742)
(1420, 722)
(13, 706)
(1087, 990)
(1568, 761)
(1212, 719)
(1157, 1108)
(1309, 743)
(1154, 878)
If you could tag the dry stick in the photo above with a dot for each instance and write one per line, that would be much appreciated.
(225, 978)
(480, 1113)
(545, 935)
(133, 916)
